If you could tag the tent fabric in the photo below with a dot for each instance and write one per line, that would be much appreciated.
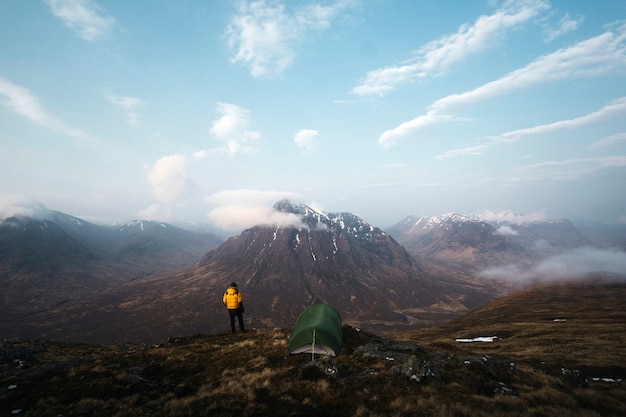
(317, 330)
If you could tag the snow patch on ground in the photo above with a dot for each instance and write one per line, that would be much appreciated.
(478, 339)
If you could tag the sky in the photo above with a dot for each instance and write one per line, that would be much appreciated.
(211, 111)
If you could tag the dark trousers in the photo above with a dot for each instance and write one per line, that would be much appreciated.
(237, 312)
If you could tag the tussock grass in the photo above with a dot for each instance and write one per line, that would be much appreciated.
(423, 374)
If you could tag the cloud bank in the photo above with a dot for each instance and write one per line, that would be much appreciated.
(577, 263)
(235, 210)
(15, 205)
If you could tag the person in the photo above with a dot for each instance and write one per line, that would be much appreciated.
(234, 303)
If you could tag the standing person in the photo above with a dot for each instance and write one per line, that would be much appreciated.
(233, 301)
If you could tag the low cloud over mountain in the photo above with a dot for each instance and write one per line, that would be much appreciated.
(575, 263)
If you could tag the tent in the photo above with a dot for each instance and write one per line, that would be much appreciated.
(317, 330)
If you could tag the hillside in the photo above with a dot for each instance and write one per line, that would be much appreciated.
(576, 325)
(422, 373)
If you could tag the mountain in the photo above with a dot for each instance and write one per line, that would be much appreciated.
(454, 239)
(61, 258)
(604, 236)
(41, 265)
(542, 236)
(336, 258)
(477, 242)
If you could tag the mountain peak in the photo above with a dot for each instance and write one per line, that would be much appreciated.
(316, 219)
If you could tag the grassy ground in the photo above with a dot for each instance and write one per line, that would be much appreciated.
(536, 369)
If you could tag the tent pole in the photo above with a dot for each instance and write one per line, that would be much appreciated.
(313, 348)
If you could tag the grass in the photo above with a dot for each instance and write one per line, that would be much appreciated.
(415, 374)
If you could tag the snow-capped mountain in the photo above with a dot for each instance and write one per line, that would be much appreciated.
(536, 234)
(454, 239)
(486, 239)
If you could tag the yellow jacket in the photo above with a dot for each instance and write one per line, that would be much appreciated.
(232, 298)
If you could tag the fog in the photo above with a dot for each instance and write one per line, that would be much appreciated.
(577, 263)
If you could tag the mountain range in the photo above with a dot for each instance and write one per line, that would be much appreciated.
(45, 262)
(475, 243)
(146, 281)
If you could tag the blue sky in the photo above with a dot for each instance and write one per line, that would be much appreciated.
(211, 111)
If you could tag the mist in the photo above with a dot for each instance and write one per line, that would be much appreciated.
(574, 264)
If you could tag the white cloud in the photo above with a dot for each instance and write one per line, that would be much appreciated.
(168, 178)
(233, 128)
(156, 212)
(506, 231)
(392, 136)
(439, 55)
(470, 150)
(609, 140)
(593, 57)
(307, 139)
(25, 103)
(575, 168)
(84, 17)
(241, 209)
(264, 34)
(17, 205)
(577, 263)
(129, 105)
(614, 110)
(565, 25)
(235, 217)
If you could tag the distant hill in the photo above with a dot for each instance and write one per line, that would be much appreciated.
(475, 243)
(336, 258)
(61, 258)
(603, 235)
(458, 240)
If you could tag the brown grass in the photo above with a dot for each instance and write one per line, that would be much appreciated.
(419, 374)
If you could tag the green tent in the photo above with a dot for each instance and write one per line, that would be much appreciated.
(317, 330)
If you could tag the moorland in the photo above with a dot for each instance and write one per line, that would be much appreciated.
(555, 349)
